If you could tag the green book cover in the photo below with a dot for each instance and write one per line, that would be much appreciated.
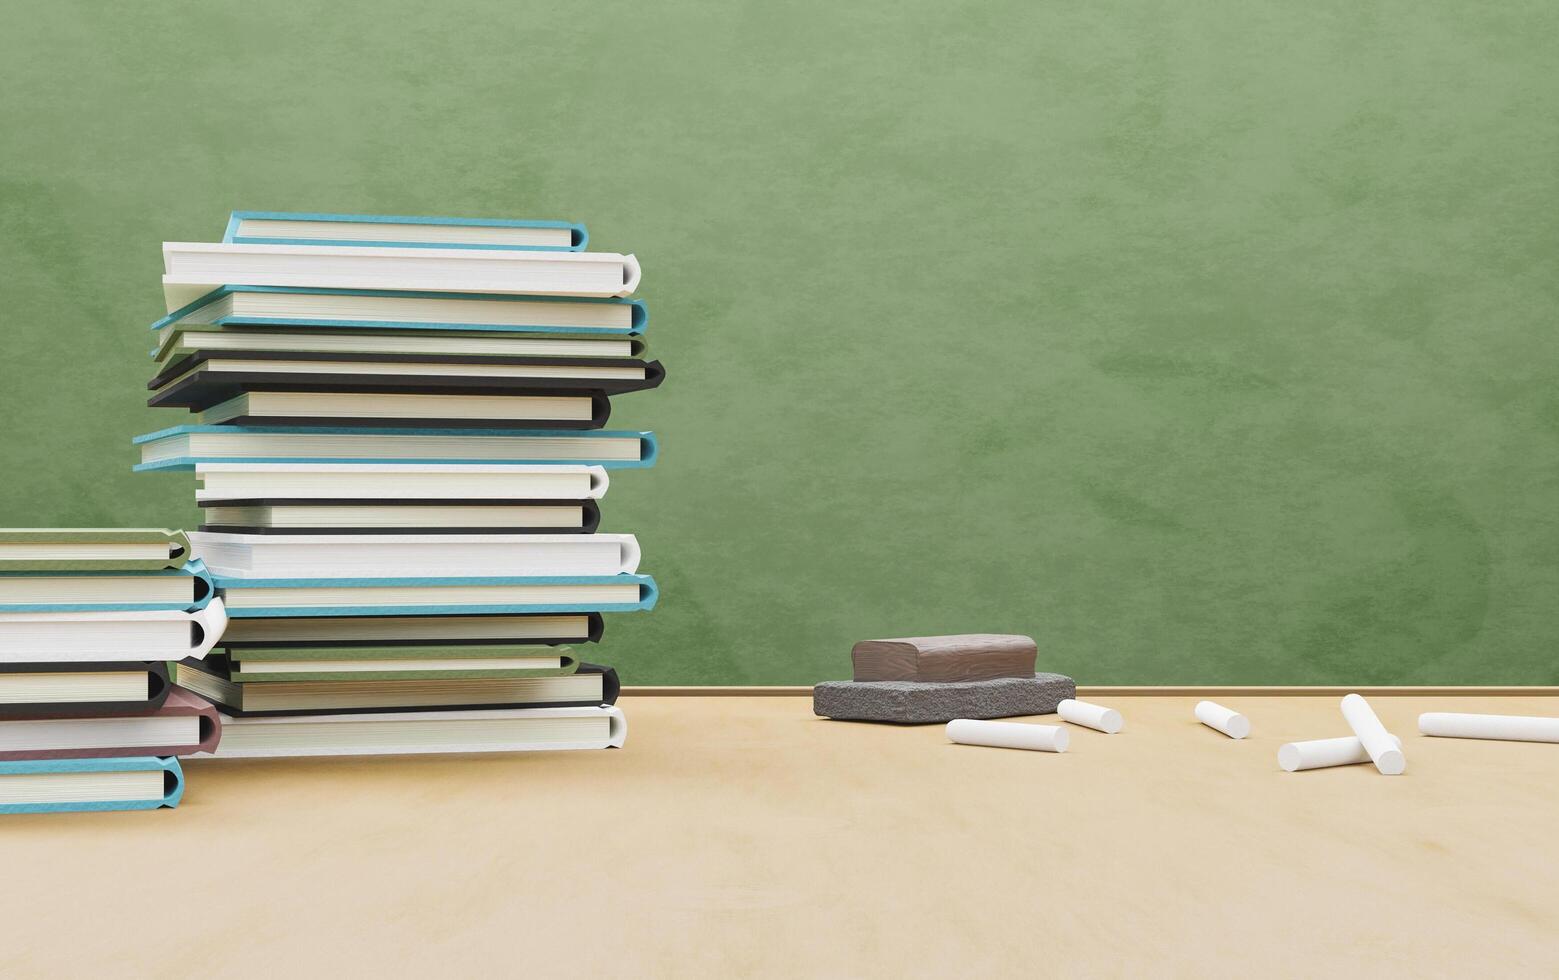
(80, 549)
(379, 663)
(590, 684)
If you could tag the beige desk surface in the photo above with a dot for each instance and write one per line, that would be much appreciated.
(742, 836)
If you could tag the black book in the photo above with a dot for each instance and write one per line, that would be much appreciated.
(82, 689)
(477, 628)
(206, 381)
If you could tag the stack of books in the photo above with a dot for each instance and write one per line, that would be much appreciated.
(88, 619)
(399, 438)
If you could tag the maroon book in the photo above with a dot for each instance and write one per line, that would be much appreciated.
(184, 723)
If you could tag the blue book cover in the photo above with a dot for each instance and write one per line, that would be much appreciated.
(648, 595)
(172, 784)
(201, 593)
(638, 313)
(379, 230)
(649, 448)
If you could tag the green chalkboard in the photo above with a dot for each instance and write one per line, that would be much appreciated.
(1210, 341)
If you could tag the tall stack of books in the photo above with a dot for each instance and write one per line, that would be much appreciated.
(88, 618)
(399, 435)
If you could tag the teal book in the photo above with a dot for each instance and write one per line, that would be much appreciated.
(71, 785)
(183, 446)
(247, 598)
(402, 231)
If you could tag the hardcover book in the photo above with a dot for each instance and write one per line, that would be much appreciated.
(424, 557)
(558, 409)
(182, 724)
(368, 480)
(287, 597)
(207, 378)
(308, 228)
(422, 311)
(134, 635)
(401, 516)
(188, 587)
(193, 269)
(243, 664)
(63, 785)
(489, 627)
(82, 688)
(184, 447)
(107, 549)
(410, 733)
(589, 685)
(181, 340)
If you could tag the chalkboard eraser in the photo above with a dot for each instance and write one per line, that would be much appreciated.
(960, 657)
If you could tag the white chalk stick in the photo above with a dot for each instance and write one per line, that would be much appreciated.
(1509, 728)
(1097, 716)
(1322, 753)
(1008, 735)
(1226, 720)
(1384, 751)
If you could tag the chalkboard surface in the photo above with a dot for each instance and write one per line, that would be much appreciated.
(1211, 341)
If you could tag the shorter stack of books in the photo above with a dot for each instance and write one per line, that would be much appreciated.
(88, 619)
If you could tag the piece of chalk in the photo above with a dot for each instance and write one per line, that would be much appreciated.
(1322, 753)
(1509, 728)
(1383, 750)
(1091, 715)
(1008, 735)
(1226, 720)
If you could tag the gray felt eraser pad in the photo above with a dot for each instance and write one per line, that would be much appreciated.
(921, 703)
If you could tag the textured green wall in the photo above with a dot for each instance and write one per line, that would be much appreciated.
(1210, 341)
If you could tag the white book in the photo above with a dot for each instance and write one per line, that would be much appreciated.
(398, 481)
(419, 556)
(63, 637)
(239, 305)
(193, 269)
(408, 733)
